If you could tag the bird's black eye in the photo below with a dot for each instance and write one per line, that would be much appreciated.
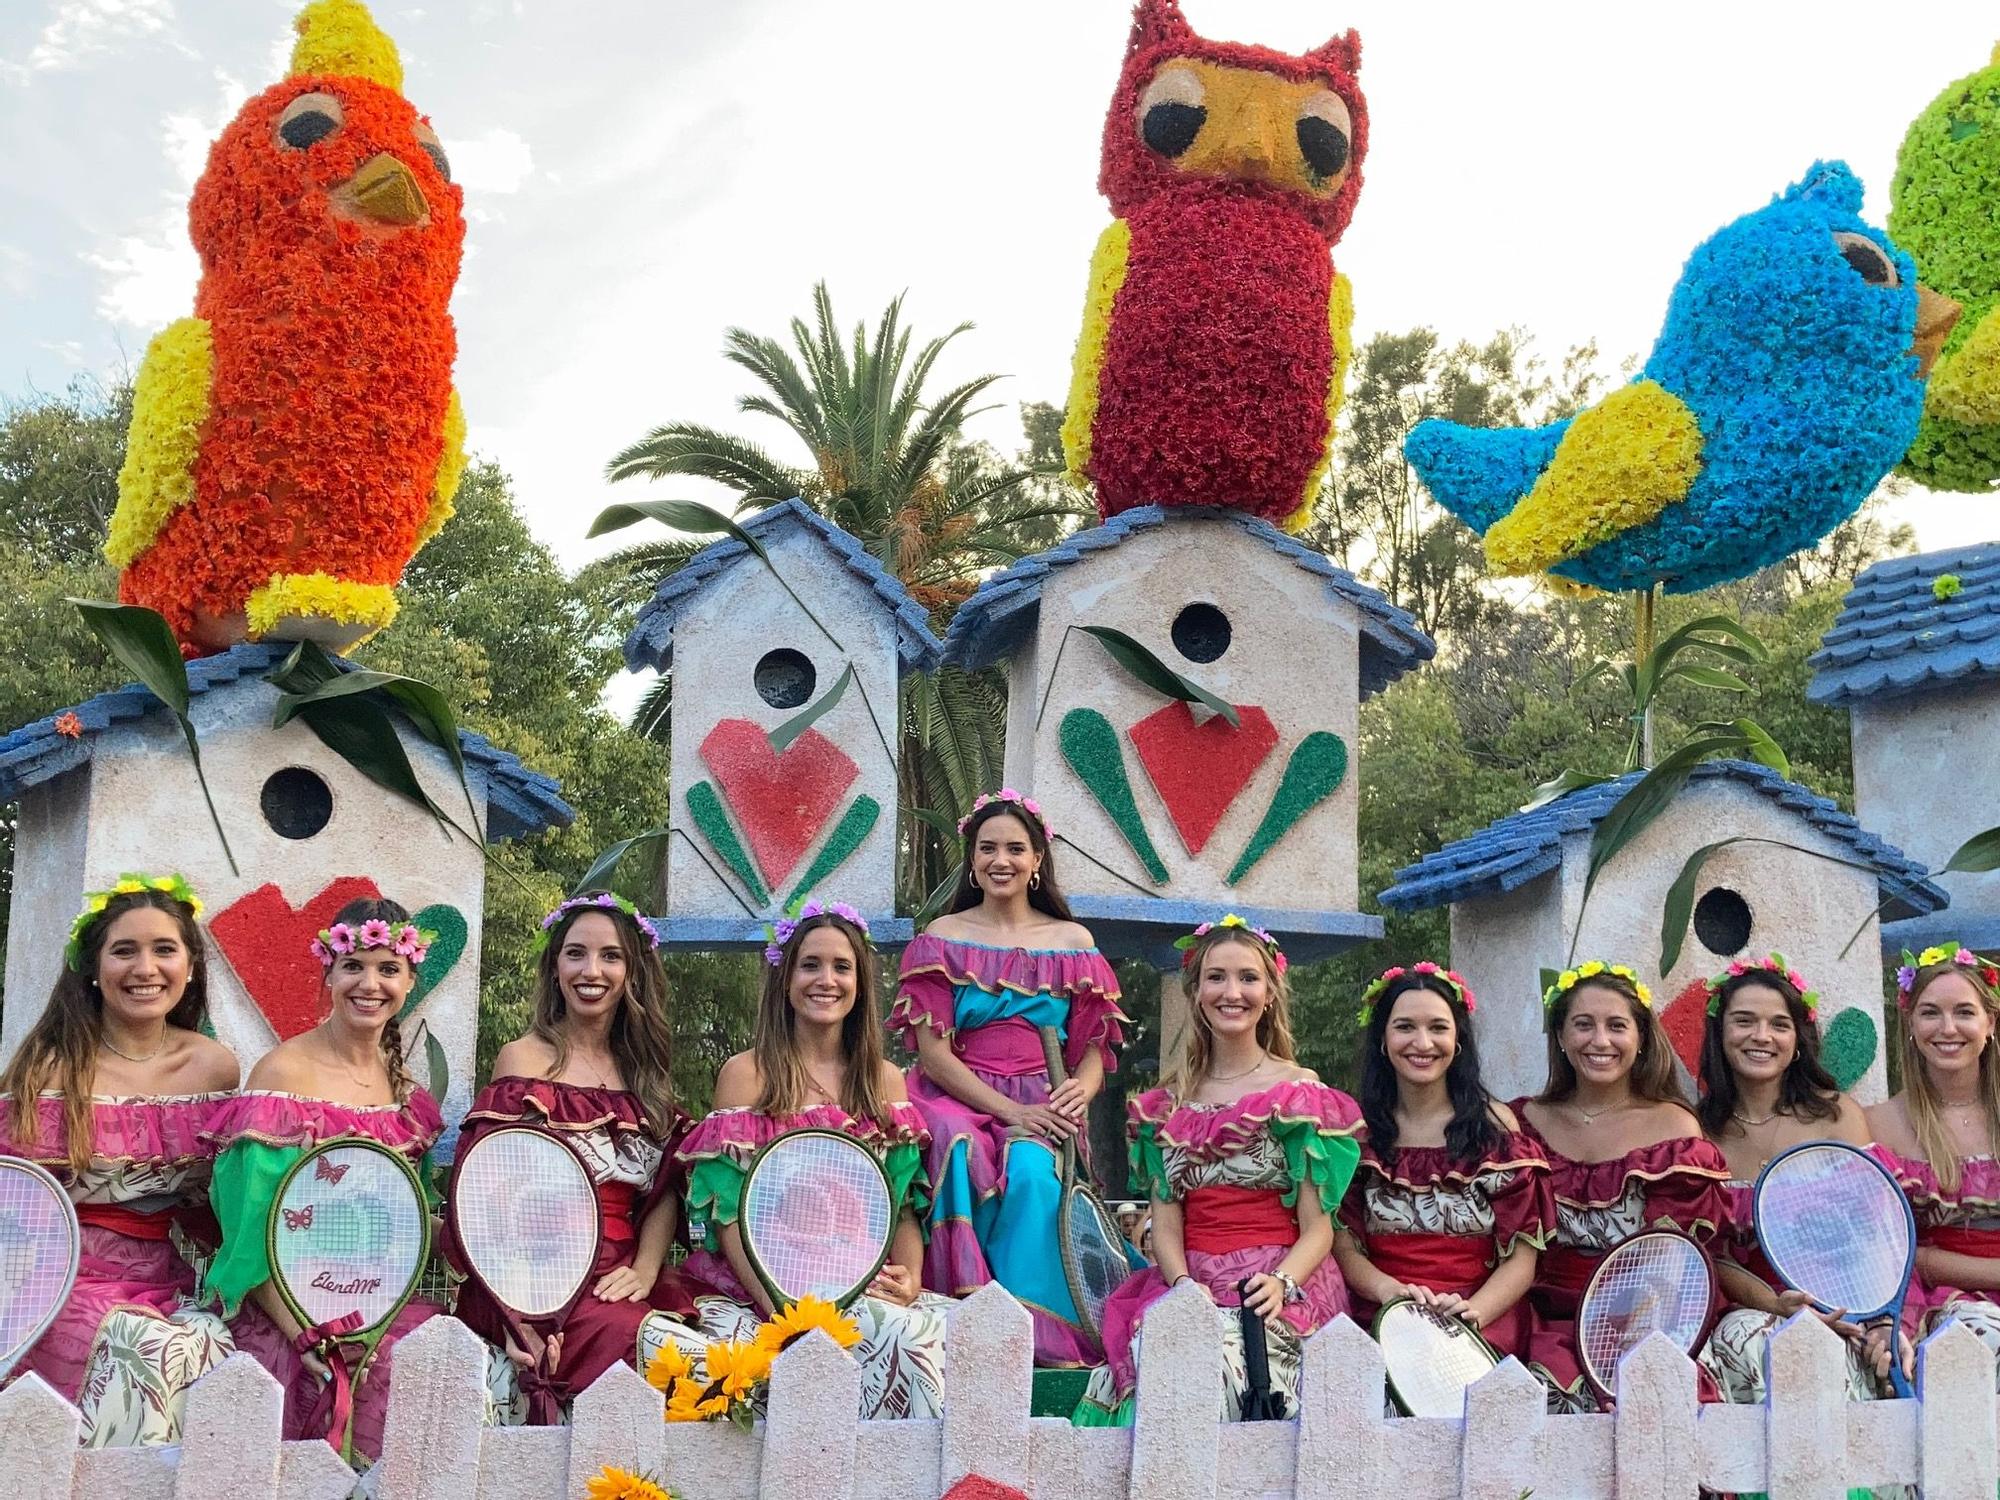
(308, 120)
(1171, 111)
(1869, 260)
(1324, 130)
(434, 149)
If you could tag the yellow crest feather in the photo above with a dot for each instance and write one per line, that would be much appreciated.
(339, 38)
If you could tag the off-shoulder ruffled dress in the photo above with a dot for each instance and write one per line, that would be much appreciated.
(1428, 1218)
(1237, 1171)
(129, 1342)
(258, 1135)
(1964, 1220)
(631, 1163)
(901, 1352)
(994, 1201)
(1675, 1184)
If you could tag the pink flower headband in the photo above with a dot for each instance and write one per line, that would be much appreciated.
(780, 932)
(1186, 944)
(1777, 963)
(1964, 958)
(1006, 795)
(1452, 978)
(601, 901)
(409, 941)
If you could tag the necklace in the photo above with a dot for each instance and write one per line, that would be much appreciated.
(1743, 1119)
(1590, 1118)
(105, 1043)
(1262, 1058)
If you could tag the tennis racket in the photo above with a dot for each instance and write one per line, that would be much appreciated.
(525, 1217)
(1658, 1281)
(1431, 1358)
(1834, 1225)
(39, 1247)
(1093, 1247)
(817, 1218)
(349, 1237)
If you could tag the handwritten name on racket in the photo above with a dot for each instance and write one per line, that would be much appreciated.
(359, 1286)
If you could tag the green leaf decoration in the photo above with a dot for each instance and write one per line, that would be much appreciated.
(1708, 677)
(598, 876)
(144, 645)
(1976, 855)
(694, 517)
(437, 1065)
(855, 825)
(448, 922)
(1848, 1049)
(361, 733)
(1091, 747)
(1313, 774)
(1548, 978)
(1678, 910)
(782, 737)
(1740, 646)
(1562, 786)
(713, 822)
(1156, 674)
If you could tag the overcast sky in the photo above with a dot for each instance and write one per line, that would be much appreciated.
(642, 174)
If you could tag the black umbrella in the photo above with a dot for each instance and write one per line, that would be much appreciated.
(1260, 1402)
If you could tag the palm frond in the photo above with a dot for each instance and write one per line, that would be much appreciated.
(686, 448)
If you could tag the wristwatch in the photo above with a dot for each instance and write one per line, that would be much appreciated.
(1292, 1292)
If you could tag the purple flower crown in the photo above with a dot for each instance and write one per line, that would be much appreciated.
(1957, 953)
(603, 901)
(780, 932)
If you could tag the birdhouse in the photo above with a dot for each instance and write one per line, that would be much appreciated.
(108, 786)
(786, 668)
(1915, 660)
(1169, 813)
(1807, 880)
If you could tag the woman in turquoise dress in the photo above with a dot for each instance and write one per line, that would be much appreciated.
(975, 989)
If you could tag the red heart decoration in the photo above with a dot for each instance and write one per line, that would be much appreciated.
(268, 944)
(1198, 769)
(1684, 1020)
(781, 802)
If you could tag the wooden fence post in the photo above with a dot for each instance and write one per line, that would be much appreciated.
(989, 1373)
(1503, 1417)
(1176, 1435)
(1653, 1442)
(437, 1400)
(618, 1421)
(1956, 1433)
(1806, 1419)
(231, 1432)
(38, 1431)
(810, 1433)
(1342, 1438)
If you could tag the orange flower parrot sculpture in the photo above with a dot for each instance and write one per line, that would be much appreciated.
(296, 441)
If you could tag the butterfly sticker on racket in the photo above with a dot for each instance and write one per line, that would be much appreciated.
(817, 1218)
(39, 1247)
(526, 1223)
(1835, 1225)
(1095, 1256)
(1658, 1281)
(347, 1250)
(1431, 1358)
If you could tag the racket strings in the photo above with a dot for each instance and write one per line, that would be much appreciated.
(1430, 1359)
(527, 1219)
(350, 1244)
(1653, 1284)
(1833, 1225)
(37, 1252)
(816, 1215)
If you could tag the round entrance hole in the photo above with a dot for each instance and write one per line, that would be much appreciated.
(1201, 632)
(1722, 922)
(297, 803)
(784, 678)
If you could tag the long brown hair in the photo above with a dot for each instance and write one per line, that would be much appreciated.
(780, 1068)
(1652, 1077)
(1045, 895)
(1921, 1096)
(642, 1041)
(1274, 1027)
(395, 914)
(60, 1049)
(1805, 1092)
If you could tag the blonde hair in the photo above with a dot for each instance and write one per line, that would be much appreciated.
(1274, 1028)
(1920, 1094)
(776, 1045)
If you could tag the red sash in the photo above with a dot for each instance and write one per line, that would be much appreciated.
(1443, 1262)
(129, 1222)
(1963, 1239)
(1217, 1220)
(615, 1202)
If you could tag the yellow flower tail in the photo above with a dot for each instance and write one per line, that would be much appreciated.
(320, 596)
(340, 39)
(1965, 385)
(1620, 464)
(169, 409)
(451, 469)
(1107, 275)
(1340, 323)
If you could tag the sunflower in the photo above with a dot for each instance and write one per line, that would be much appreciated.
(790, 1324)
(736, 1369)
(690, 1402)
(670, 1364)
(617, 1484)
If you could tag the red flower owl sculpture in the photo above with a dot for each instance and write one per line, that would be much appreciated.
(295, 441)
(1216, 333)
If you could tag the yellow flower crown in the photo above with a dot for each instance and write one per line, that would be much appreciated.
(94, 903)
(1596, 968)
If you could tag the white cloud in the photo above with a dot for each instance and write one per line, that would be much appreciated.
(186, 135)
(69, 351)
(497, 162)
(80, 29)
(150, 277)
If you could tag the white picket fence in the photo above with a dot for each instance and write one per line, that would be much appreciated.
(1809, 1443)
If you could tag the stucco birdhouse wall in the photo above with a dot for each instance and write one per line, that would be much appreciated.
(1168, 814)
(1516, 894)
(761, 818)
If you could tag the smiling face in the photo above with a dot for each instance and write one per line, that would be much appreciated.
(369, 987)
(1003, 856)
(1234, 989)
(825, 978)
(1951, 1026)
(143, 968)
(1599, 1034)
(1421, 1037)
(1759, 1039)
(591, 966)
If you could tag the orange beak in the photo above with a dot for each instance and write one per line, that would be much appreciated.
(383, 191)
(1937, 314)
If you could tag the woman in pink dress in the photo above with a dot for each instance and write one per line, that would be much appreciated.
(110, 1091)
(594, 1069)
(975, 989)
(1245, 1155)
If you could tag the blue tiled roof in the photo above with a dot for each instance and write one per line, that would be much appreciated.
(1895, 636)
(651, 643)
(519, 801)
(1508, 854)
(997, 620)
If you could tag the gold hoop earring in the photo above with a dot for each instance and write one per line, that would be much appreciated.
(1035, 881)
(972, 879)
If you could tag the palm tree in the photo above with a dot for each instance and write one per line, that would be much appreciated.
(896, 471)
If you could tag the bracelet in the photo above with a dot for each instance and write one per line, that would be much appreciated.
(1184, 1276)
(1292, 1292)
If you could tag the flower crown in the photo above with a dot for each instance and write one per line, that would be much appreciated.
(1964, 958)
(1186, 944)
(602, 901)
(94, 903)
(1569, 979)
(779, 933)
(1451, 977)
(1005, 795)
(1778, 964)
(410, 941)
